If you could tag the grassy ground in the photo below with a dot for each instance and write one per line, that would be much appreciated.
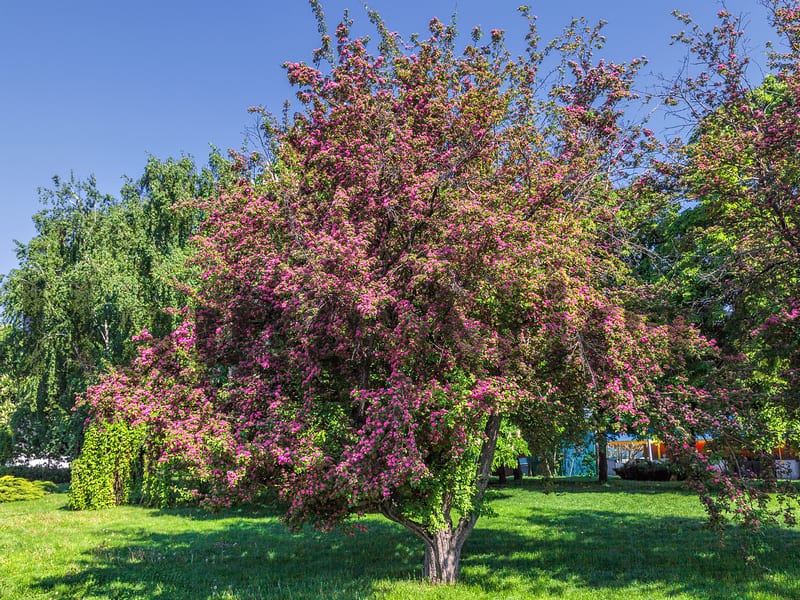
(623, 540)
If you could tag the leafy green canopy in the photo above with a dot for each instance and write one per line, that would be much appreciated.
(98, 271)
(733, 255)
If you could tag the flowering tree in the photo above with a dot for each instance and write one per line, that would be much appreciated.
(156, 436)
(431, 248)
(431, 245)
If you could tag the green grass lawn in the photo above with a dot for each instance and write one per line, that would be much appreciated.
(623, 540)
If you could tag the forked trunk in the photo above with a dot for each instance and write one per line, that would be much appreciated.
(443, 557)
(443, 547)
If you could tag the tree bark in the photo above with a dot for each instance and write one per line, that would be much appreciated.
(602, 457)
(547, 467)
(501, 475)
(442, 561)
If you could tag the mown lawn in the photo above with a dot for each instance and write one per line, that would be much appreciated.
(581, 540)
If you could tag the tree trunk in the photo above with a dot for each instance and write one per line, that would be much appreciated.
(602, 457)
(549, 468)
(443, 557)
(501, 475)
(443, 547)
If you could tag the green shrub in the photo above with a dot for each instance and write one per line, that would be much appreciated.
(115, 467)
(13, 489)
(647, 470)
(108, 471)
(168, 484)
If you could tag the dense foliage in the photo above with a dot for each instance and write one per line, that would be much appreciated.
(648, 470)
(98, 271)
(150, 446)
(438, 251)
(44, 472)
(432, 246)
(15, 489)
(729, 256)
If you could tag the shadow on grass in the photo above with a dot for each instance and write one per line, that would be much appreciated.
(628, 555)
(245, 553)
(615, 485)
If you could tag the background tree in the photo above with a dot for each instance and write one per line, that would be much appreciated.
(510, 447)
(732, 260)
(97, 271)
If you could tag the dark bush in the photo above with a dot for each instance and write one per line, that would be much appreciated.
(647, 470)
(40, 473)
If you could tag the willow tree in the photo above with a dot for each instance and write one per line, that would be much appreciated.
(96, 272)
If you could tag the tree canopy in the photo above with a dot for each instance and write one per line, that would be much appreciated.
(98, 271)
(732, 252)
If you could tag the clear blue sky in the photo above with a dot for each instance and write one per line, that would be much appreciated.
(94, 86)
